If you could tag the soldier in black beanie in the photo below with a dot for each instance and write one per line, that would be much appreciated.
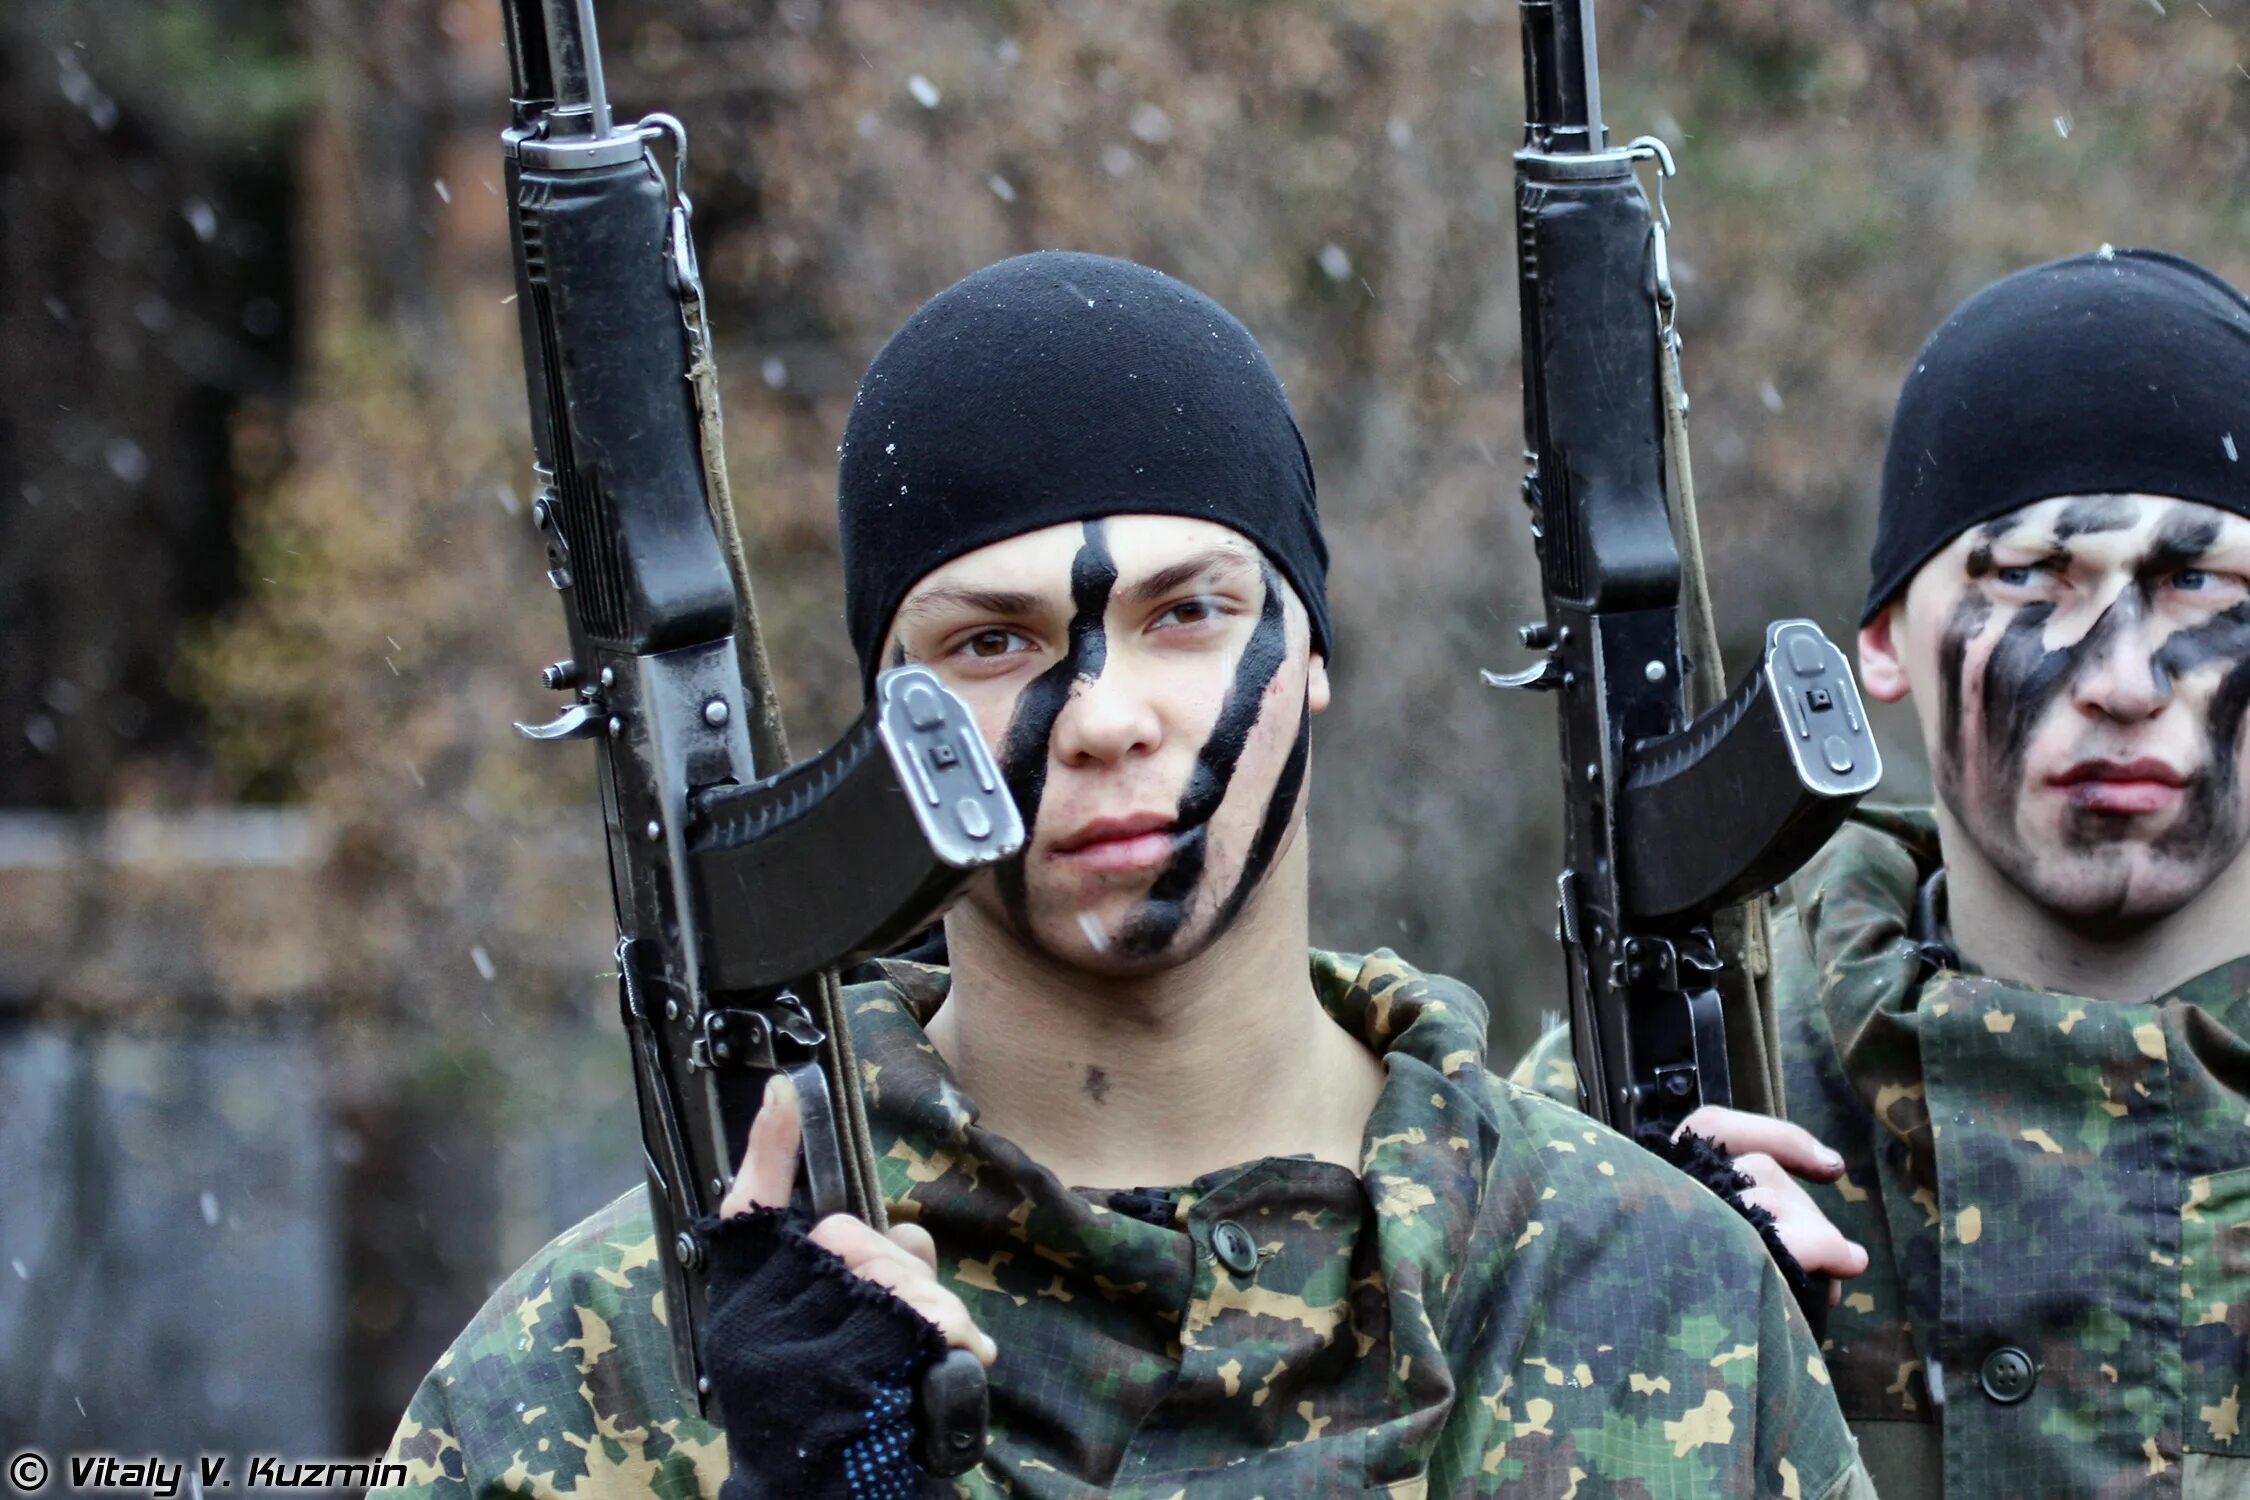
(2023, 1015)
(2058, 574)
(1227, 1216)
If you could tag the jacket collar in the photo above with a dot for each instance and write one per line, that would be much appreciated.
(1862, 900)
(1395, 1010)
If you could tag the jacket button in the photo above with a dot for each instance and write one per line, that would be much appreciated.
(2008, 1375)
(1232, 1244)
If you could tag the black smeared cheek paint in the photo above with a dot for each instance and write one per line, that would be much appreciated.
(1166, 908)
(1969, 617)
(2214, 810)
(2024, 677)
(898, 653)
(1023, 750)
(2180, 542)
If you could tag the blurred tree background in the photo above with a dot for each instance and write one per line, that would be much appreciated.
(301, 947)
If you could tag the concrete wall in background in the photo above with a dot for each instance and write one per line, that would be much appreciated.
(232, 1219)
(171, 1245)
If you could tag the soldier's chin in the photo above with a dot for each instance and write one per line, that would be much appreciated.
(2114, 892)
(1103, 938)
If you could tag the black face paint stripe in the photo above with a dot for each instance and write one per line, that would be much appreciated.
(1166, 908)
(1024, 749)
(898, 653)
(1280, 808)
(1254, 672)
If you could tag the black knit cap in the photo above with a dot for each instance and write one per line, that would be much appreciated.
(1062, 387)
(2120, 371)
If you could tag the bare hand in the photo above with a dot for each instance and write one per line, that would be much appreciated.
(1773, 1154)
(904, 1262)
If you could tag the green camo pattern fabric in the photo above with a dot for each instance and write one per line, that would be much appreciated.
(1507, 1298)
(2030, 1170)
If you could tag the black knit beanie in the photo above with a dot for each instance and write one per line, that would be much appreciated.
(2120, 371)
(1061, 387)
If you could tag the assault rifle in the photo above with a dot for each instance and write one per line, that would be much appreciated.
(740, 887)
(1680, 804)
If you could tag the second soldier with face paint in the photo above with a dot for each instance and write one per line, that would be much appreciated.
(2023, 1015)
(1242, 1218)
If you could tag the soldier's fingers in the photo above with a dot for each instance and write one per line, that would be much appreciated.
(769, 1159)
(885, 1262)
(851, 1241)
(1818, 1245)
(945, 1312)
(915, 1241)
(1739, 1132)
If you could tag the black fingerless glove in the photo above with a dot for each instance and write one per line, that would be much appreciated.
(815, 1369)
(1707, 1162)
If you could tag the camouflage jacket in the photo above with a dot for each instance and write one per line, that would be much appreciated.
(1505, 1298)
(2054, 1192)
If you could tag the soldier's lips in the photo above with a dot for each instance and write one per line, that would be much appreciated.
(1109, 846)
(2131, 788)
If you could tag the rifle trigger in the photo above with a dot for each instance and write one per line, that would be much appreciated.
(1545, 676)
(580, 721)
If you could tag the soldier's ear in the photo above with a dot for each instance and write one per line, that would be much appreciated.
(1882, 667)
(1316, 682)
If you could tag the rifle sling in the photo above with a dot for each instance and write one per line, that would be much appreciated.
(1746, 979)
(770, 744)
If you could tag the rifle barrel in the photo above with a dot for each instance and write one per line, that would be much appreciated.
(530, 73)
(581, 93)
(1562, 88)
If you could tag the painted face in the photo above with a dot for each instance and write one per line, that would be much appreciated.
(2083, 666)
(1147, 685)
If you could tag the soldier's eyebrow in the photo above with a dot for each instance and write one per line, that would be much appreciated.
(1210, 562)
(2180, 541)
(1006, 603)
